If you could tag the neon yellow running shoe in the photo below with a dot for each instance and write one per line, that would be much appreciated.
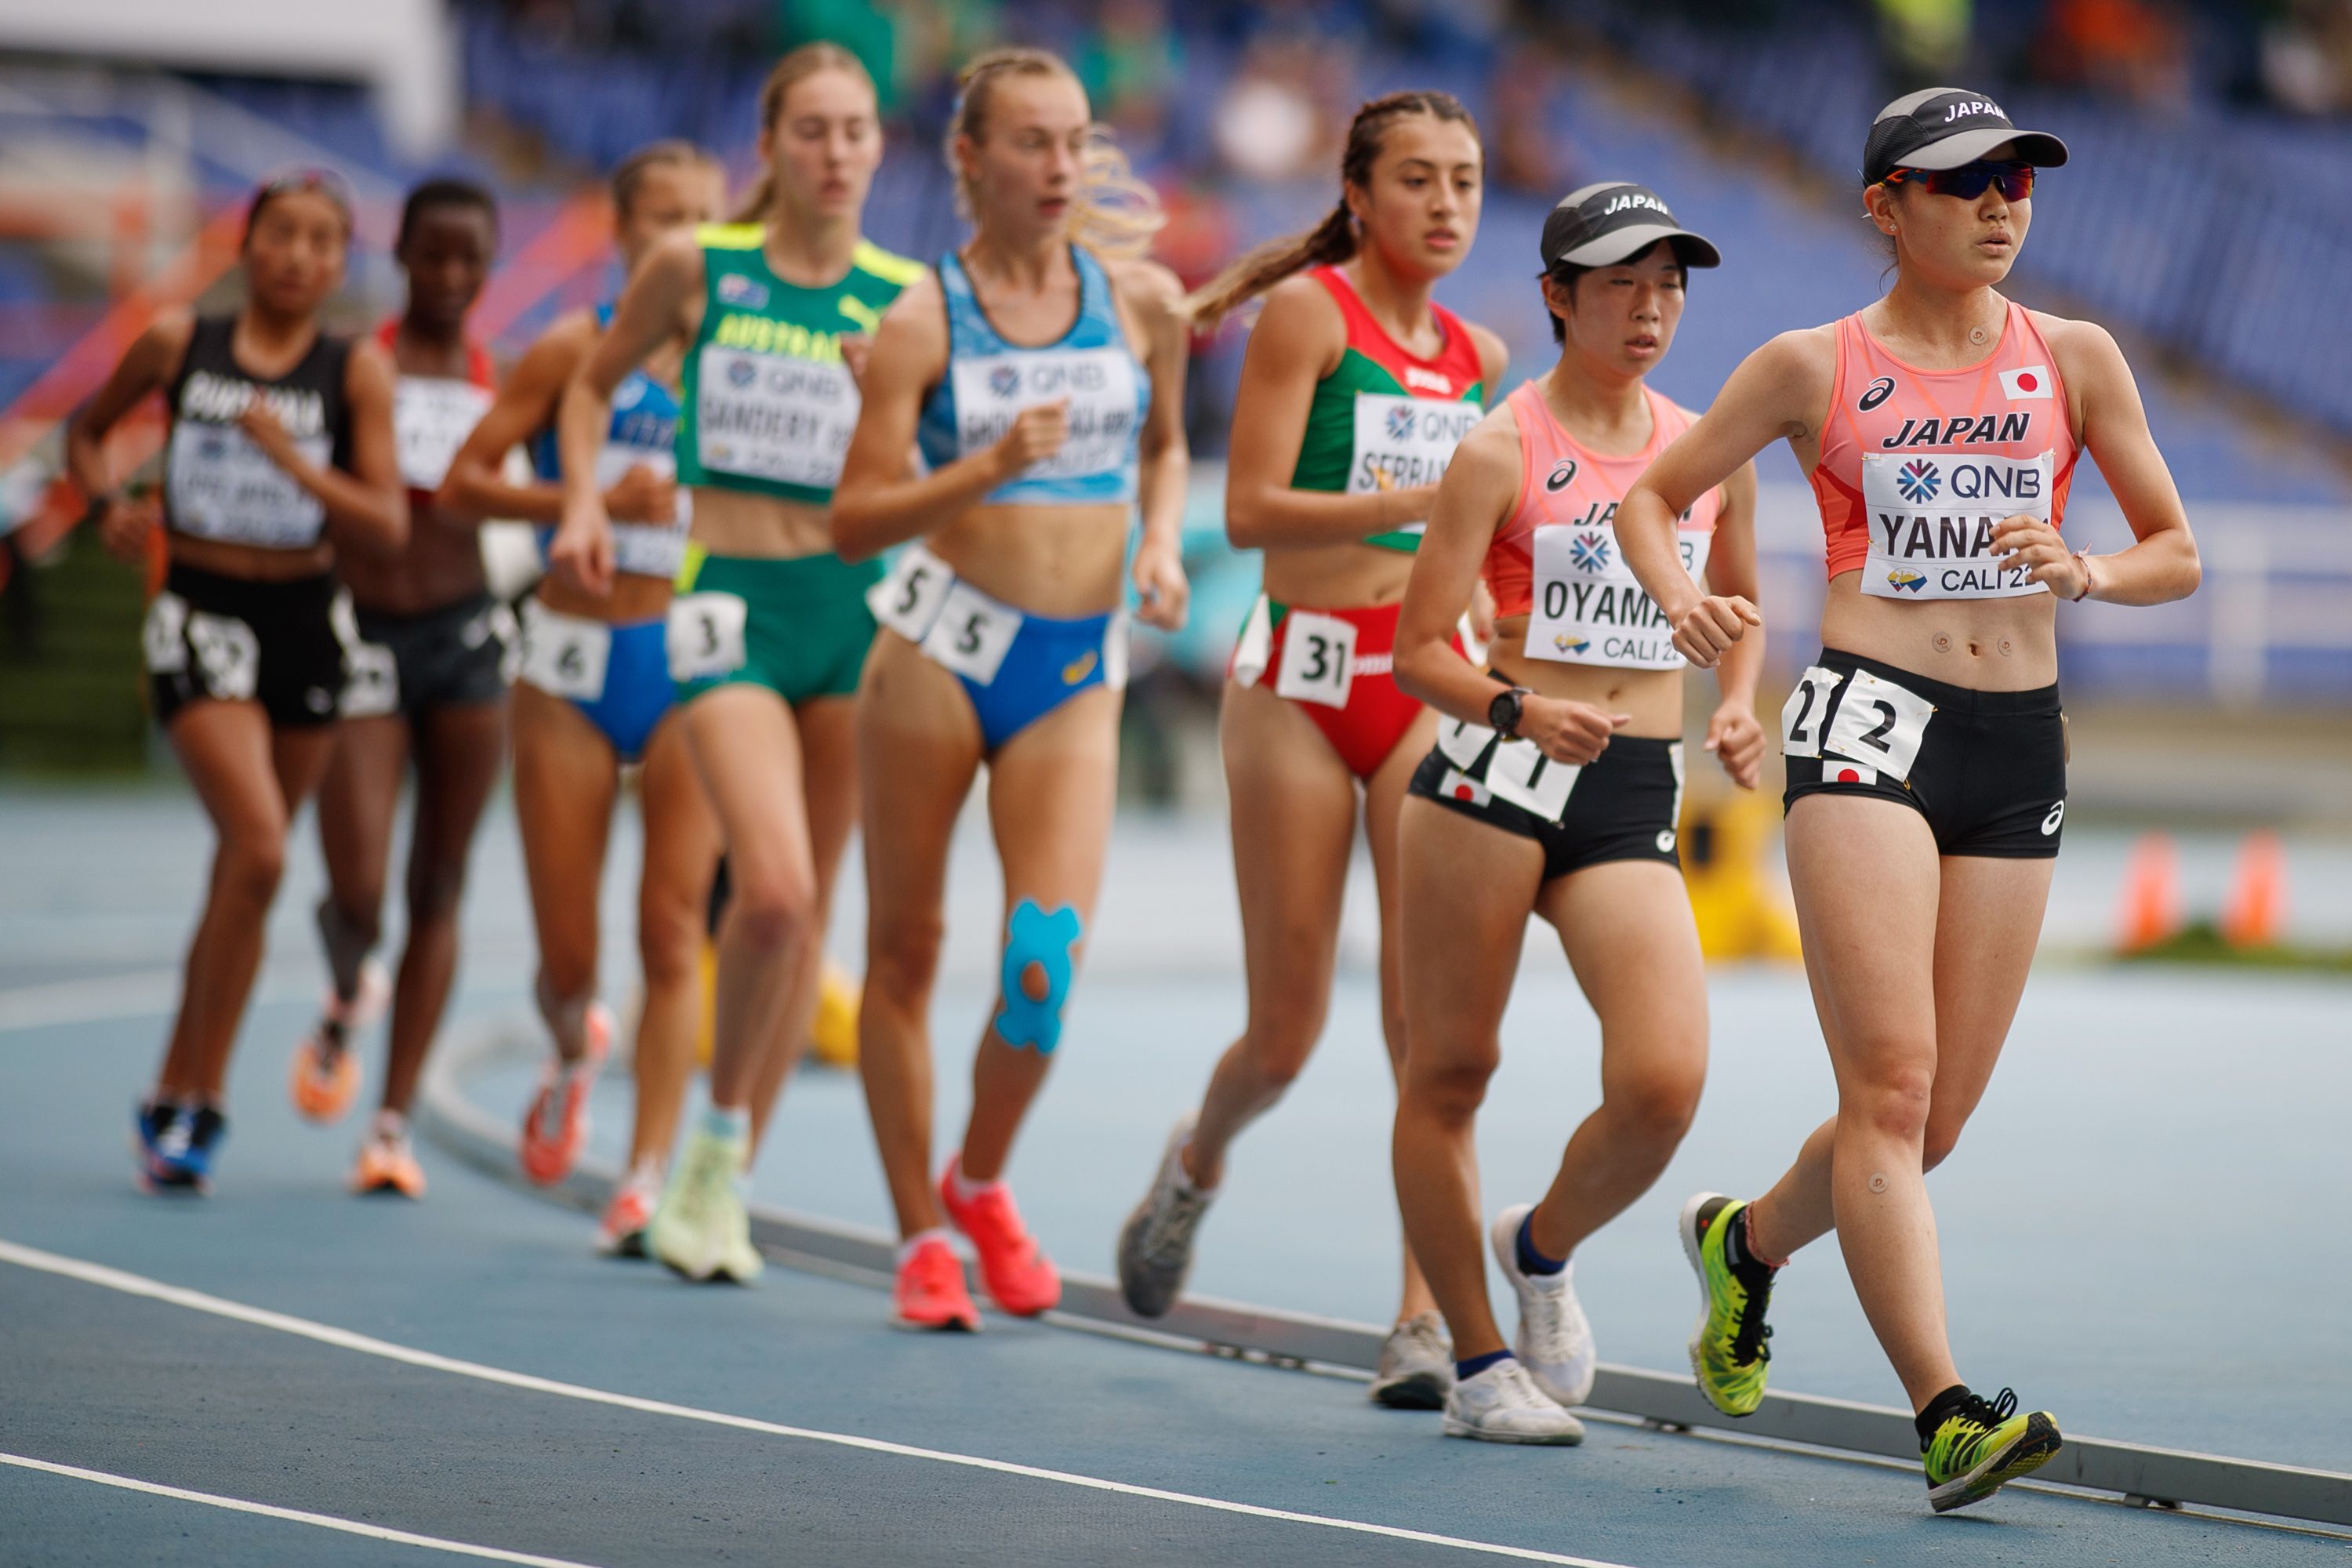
(701, 1229)
(1728, 1353)
(1982, 1446)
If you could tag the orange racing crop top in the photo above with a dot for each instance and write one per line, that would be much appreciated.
(1555, 560)
(1917, 465)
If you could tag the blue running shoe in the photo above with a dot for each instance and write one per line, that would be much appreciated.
(176, 1144)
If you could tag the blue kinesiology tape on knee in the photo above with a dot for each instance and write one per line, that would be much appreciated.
(1033, 936)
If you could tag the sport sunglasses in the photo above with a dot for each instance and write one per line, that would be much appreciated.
(1969, 181)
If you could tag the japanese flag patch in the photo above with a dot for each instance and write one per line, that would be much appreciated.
(2029, 381)
(1461, 786)
(1837, 770)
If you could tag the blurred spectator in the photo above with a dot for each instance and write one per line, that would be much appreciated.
(2132, 49)
(1276, 118)
(1523, 152)
(2306, 56)
(1130, 62)
(1925, 40)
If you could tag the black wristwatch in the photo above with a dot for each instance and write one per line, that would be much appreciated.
(1503, 711)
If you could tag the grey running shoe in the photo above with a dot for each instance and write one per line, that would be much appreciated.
(1503, 1405)
(1416, 1369)
(1155, 1246)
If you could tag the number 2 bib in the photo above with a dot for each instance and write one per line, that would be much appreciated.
(1931, 522)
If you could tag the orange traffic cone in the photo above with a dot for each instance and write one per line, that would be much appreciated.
(2150, 911)
(2255, 915)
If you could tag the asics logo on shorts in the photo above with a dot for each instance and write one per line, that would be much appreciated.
(2050, 823)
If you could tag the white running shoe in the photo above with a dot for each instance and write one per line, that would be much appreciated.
(1503, 1405)
(1417, 1367)
(702, 1230)
(1554, 1341)
(1155, 1245)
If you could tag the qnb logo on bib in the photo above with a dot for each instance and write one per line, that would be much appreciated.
(1932, 519)
(1405, 442)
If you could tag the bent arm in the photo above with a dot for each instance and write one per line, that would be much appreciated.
(477, 486)
(367, 507)
(2162, 563)
(875, 504)
(147, 365)
(1480, 487)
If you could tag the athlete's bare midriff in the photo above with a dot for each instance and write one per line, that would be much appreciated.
(1063, 561)
(254, 563)
(1984, 645)
(1346, 575)
(441, 565)
(634, 597)
(737, 522)
(1654, 696)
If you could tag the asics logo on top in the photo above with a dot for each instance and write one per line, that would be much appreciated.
(2050, 823)
(1969, 108)
(1879, 392)
(1428, 380)
(1562, 475)
(1918, 481)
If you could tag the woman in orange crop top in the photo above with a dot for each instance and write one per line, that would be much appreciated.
(1926, 781)
(1553, 790)
(1357, 388)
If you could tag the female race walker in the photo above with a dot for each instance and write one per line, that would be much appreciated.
(1553, 790)
(769, 629)
(280, 449)
(593, 694)
(1927, 749)
(429, 688)
(1044, 367)
(1356, 389)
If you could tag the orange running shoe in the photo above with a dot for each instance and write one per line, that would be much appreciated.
(622, 1232)
(929, 1292)
(1020, 1279)
(555, 1128)
(387, 1164)
(325, 1076)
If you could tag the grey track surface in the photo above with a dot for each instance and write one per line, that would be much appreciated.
(91, 1378)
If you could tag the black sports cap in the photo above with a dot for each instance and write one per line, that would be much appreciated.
(1946, 127)
(1615, 221)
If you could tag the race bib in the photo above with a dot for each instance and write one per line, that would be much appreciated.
(1931, 522)
(1878, 725)
(991, 390)
(228, 654)
(1518, 771)
(973, 633)
(222, 486)
(1318, 658)
(1806, 713)
(764, 417)
(564, 655)
(645, 549)
(908, 601)
(1589, 608)
(431, 417)
(705, 636)
(164, 635)
(370, 681)
(1402, 443)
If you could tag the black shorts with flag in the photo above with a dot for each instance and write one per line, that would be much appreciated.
(230, 639)
(1987, 769)
(1620, 807)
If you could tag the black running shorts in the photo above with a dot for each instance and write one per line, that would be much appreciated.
(1987, 769)
(456, 657)
(1620, 807)
(234, 639)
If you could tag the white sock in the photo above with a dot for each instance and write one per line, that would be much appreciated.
(965, 1191)
(390, 1127)
(907, 1248)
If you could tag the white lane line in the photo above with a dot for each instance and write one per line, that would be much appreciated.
(344, 1339)
(270, 1511)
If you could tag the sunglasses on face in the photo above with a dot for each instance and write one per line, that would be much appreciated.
(1969, 181)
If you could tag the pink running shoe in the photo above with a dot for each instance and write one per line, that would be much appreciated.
(555, 1128)
(929, 1292)
(1020, 1278)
